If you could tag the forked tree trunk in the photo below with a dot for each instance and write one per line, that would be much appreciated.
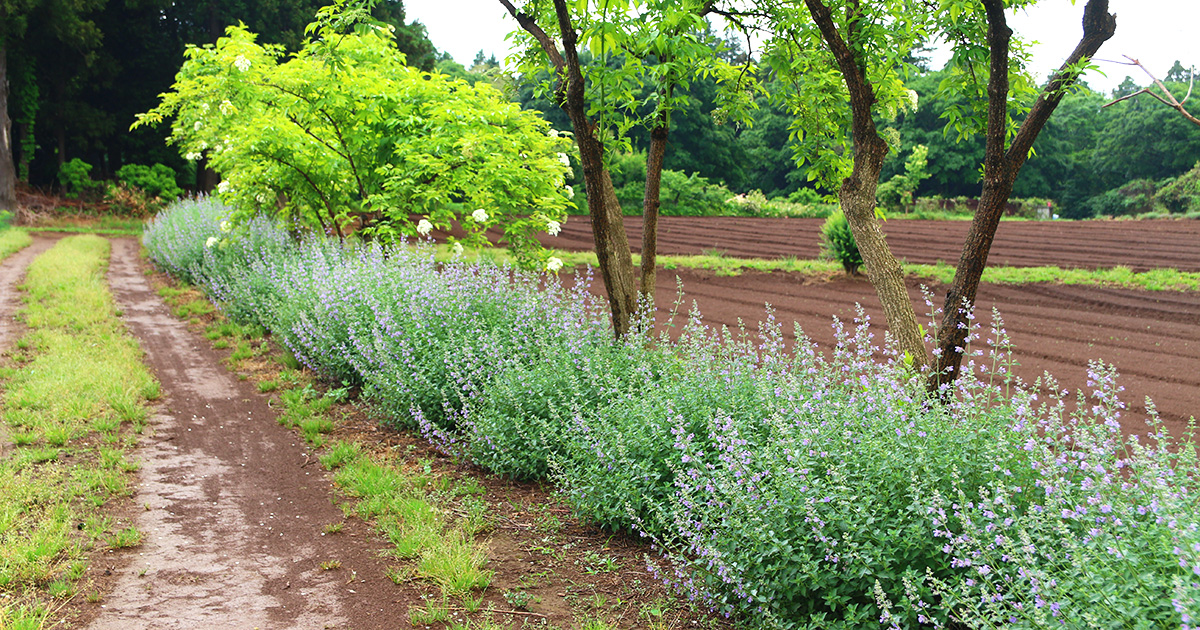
(857, 194)
(1000, 168)
(8, 171)
(651, 203)
(608, 227)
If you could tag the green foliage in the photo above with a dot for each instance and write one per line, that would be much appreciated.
(344, 136)
(75, 179)
(837, 243)
(896, 194)
(157, 180)
(813, 90)
(1180, 195)
(1132, 198)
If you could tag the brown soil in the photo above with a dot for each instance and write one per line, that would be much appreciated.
(1139, 245)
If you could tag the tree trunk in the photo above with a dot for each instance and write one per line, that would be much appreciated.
(8, 171)
(650, 205)
(608, 226)
(1001, 165)
(857, 194)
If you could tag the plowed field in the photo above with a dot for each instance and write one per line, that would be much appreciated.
(1153, 338)
(1139, 245)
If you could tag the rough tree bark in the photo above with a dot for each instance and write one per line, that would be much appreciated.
(608, 227)
(857, 193)
(1001, 166)
(8, 171)
(651, 202)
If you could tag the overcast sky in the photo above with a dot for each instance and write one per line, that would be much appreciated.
(1155, 31)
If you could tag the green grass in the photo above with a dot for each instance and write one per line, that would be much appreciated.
(1122, 277)
(408, 512)
(79, 381)
(112, 226)
(12, 241)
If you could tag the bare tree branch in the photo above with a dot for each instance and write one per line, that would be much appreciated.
(1169, 101)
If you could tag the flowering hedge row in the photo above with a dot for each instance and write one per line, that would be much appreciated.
(786, 487)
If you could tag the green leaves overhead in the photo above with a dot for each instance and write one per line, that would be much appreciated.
(344, 136)
(648, 53)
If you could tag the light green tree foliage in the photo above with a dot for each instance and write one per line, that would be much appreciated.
(813, 89)
(343, 136)
(648, 53)
(896, 194)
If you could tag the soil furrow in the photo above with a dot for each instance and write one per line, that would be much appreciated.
(1140, 245)
(231, 506)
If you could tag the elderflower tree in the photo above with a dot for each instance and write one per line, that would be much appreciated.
(343, 137)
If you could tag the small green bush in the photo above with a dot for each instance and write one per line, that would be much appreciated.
(1180, 195)
(75, 179)
(156, 181)
(837, 242)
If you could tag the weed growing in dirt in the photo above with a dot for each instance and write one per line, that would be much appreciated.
(82, 377)
(783, 486)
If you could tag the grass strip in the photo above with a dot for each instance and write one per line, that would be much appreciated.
(109, 225)
(74, 391)
(1118, 277)
(1121, 277)
(13, 241)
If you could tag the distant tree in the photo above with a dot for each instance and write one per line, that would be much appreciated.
(1179, 74)
(62, 32)
(1127, 87)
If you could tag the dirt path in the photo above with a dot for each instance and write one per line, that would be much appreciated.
(231, 505)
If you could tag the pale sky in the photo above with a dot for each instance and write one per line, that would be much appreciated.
(1155, 31)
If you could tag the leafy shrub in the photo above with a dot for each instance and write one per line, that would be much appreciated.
(75, 180)
(130, 201)
(792, 488)
(837, 242)
(1180, 195)
(177, 237)
(355, 140)
(157, 180)
(1132, 198)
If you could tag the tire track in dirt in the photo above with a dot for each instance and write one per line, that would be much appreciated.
(233, 512)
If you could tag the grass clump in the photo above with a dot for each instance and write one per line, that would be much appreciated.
(81, 381)
(13, 241)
